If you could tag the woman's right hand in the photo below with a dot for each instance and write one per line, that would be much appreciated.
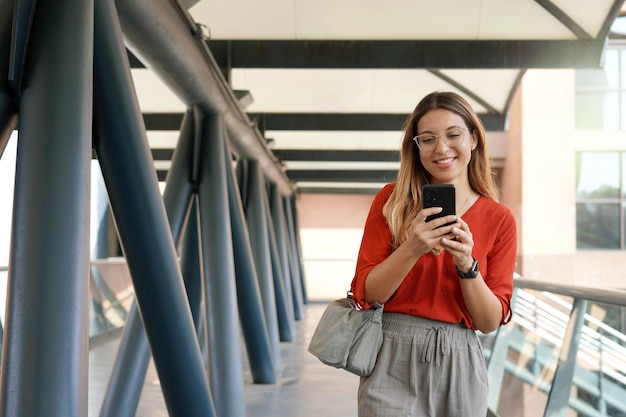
(424, 236)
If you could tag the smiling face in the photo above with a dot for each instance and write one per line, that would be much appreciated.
(446, 164)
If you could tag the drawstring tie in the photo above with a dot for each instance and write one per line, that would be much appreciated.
(436, 344)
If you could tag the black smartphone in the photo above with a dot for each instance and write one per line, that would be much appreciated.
(439, 195)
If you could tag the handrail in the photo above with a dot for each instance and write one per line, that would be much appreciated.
(598, 295)
(614, 353)
(543, 320)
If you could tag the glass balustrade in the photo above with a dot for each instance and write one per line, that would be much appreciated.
(563, 354)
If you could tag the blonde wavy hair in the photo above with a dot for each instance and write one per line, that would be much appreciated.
(405, 201)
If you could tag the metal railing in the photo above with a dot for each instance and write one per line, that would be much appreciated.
(564, 349)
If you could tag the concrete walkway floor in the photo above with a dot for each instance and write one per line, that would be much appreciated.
(305, 387)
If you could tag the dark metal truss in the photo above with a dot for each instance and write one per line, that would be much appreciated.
(319, 121)
(432, 54)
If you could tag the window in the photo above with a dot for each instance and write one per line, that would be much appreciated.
(601, 94)
(600, 200)
(601, 176)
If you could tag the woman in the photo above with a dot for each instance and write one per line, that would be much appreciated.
(439, 283)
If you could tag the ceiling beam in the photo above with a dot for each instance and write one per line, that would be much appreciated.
(160, 154)
(163, 121)
(340, 176)
(423, 54)
(343, 191)
(316, 155)
(353, 121)
(329, 121)
(319, 121)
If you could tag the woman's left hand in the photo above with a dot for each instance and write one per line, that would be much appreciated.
(461, 247)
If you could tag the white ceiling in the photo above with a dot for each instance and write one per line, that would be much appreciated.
(368, 90)
(395, 19)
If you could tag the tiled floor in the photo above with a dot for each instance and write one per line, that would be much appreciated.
(305, 386)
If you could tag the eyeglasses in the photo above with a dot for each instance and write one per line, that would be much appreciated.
(427, 142)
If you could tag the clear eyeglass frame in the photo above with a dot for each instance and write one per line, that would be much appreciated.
(453, 138)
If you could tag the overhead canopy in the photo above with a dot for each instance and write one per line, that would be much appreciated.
(329, 84)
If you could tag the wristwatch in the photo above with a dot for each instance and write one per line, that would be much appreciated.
(472, 273)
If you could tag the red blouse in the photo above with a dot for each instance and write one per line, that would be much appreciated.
(432, 288)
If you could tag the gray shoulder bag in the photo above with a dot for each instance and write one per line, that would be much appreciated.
(348, 337)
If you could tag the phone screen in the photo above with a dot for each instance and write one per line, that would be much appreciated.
(439, 195)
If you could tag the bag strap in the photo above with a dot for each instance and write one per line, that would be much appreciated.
(375, 305)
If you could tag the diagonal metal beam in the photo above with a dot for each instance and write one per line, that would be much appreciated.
(140, 217)
(574, 27)
(467, 90)
(564, 18)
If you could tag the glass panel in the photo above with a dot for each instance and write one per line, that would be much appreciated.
(623, 170)
(623, 67)
(534, 343)
(528, 352)
(623, 110)
(599, 380)
(601, 79)
(598, 175)
(597, 226)
(619, 25)
(597, 111)
(111, 295)
(4, 276)
(612, 68)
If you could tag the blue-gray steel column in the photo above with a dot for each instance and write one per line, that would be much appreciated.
(45, 361)
(294, 255)
(129, 371)
(226, 373)
(128, 170)
(249, 300)
(182, 177)
(182, 205)
(8, 112)
(180, 187)
(558, 399)
(282, 240)
(298, 244)
(256, 216)
(284, 299)
(190, 262)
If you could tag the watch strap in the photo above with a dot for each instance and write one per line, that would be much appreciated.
(472, 273)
